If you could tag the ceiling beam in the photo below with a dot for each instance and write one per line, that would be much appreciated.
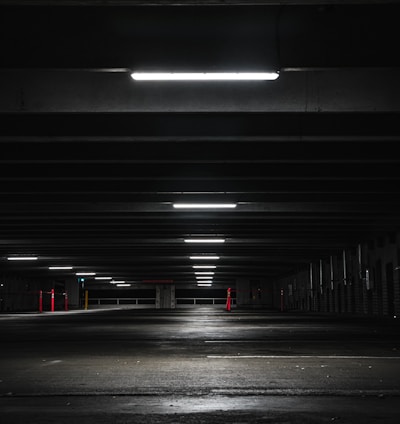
(186, 2)
(345, 90)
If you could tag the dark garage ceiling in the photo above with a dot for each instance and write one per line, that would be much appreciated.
(92, 161)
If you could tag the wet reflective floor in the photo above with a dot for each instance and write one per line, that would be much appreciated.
(198, 365)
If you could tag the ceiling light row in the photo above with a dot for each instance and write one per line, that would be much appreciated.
(204, 205)
(204, 240)
(201, 240)
(204, 257)
(204, 76)
(22, 258)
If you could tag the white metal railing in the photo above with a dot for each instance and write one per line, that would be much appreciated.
(151, 301)
(202, 301)
(106, 301)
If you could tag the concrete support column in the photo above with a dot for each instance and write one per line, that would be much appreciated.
(165, 296)
(242, 292)
(72, 288)
(254, 293)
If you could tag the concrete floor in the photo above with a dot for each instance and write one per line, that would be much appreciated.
(200, 365)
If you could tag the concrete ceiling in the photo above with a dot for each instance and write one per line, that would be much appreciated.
(91, 161)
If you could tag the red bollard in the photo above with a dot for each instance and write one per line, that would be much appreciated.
(40, 301)
(52, 300)
(66, 301)
(228, 300)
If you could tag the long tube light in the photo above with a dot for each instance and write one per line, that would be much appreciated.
(204, 76)
(103, 278)
(22, 258)
(60, 267)
(204, 285)
(204, 277)
(85, 273)
(123, 285)
(204, 205)
(117, 282)
(204, 273)
(204, 266)
(198, 240)
(203, 257)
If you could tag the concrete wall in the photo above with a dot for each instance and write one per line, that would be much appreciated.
(254, 293)
(362, 279)
(19, 294)
(22, 294)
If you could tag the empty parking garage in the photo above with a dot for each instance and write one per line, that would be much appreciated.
(199, 211)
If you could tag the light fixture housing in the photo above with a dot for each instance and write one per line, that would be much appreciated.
(204, 76)
(22, 258)
(204, 205)
(204, 266)
(54, 268)
(203, 257)
(204, 240)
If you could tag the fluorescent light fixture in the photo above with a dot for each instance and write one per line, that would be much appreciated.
(204, 257)
(204, 277)
(204, 273)
(103, 278)
(117, 282)
(204, 205)
(205, 76)
(199, 240)
(204, 285)
(204, 266)
(123, 285)
(85, 273)
(22, 258)
(60, 267)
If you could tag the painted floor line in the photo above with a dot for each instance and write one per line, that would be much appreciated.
(300, 357)
(269, 341)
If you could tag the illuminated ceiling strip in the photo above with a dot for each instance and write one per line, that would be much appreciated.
(59, 267)
(204, 76)
(204, 257)
(22, 258)
(85, 273)
(204, 266)
(205, 273)
(204, 205)
(198, 240)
